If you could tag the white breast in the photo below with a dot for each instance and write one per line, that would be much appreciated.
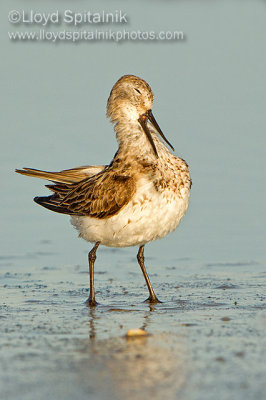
(148, 216)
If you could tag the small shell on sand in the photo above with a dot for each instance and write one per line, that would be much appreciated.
(136, 332)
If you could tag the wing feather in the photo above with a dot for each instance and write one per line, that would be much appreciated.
(96, 191)
(100, 196)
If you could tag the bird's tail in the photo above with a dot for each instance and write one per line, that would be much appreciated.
(36, 173)
(66, 176)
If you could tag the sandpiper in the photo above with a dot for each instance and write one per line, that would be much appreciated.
(139, 197)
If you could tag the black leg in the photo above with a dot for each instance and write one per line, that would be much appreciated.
(92, 257)
(140, 257)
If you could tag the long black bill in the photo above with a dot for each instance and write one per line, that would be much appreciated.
(143, 122)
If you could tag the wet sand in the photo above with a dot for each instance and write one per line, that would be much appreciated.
(206, 339)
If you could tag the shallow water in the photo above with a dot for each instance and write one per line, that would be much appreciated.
(207, 337)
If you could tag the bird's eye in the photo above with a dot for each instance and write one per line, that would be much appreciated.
(137, 90)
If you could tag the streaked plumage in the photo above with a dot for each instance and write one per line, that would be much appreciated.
(141, 196)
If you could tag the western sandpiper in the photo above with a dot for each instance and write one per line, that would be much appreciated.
(139, 197)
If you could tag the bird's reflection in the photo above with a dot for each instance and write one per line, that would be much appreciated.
(95, 314)
(92, 319)
(149, 367)
(147, 318)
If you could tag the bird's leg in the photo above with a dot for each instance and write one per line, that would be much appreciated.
(140, 257)
(92, 257)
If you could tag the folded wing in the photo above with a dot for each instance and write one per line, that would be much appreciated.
(100, 195)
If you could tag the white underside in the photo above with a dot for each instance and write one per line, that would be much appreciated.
(150, 215)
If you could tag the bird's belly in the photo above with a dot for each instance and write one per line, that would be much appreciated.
(145, 218)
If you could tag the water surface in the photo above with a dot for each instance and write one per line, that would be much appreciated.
(207, 338)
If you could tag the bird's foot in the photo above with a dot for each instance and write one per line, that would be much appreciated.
(91, 302)
(152, 300)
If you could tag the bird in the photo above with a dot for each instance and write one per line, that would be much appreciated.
(139, 197)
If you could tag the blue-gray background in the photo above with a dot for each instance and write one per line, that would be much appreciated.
(207, 338)
(209, 100)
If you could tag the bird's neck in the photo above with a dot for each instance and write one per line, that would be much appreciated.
(134, 143)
